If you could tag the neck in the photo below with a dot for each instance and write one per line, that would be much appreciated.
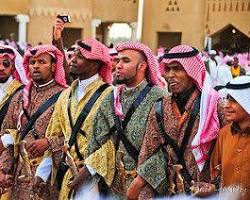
(182, 98)
(39, 85)
(244, 123)
(185, 94)
(135, 84)
(87, 76)
(90, 79)
(7, 81)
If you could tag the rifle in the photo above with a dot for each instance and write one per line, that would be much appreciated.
(121, 170)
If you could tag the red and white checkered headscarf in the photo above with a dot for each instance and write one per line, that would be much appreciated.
(59, 74)
(19, 72)
(153, 69)
(93, 50)
(194, 66)
(209, 122)
(153, 66)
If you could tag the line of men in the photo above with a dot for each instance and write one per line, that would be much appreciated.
(134, 140)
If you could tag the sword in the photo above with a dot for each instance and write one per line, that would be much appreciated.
(179, 179)
(121, 170)
(72, 166)
(26, 161)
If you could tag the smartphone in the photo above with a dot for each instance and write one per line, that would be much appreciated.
(64, 18)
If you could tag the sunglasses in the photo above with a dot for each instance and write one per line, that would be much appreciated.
(6, 63)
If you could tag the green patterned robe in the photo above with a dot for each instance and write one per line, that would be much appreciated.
(101, 151)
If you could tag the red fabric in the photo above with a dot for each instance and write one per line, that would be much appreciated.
(98, 52)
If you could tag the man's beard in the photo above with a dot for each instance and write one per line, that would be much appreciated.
(126, 80)
(120, 81)
(3, 80)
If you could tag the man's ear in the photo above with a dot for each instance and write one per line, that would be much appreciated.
(53, 67)
(12, 67)
(143, 65)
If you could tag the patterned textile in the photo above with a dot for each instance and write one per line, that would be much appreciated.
(12, 87)
(101, 152)
(153, 166)
(38, 96)
(19, 72)
(209, 122)
(59, 126)
(94, 50)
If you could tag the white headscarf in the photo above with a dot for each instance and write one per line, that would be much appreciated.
(242, 93)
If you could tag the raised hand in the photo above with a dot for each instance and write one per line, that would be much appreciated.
(58, 28)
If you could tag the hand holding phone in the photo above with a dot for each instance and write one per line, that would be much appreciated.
(64, 18)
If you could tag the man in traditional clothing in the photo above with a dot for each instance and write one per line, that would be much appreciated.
(27, 119)
(12, 77)
(220, 75)
(180, 128)
(123, 115)
(230, 158)
(92, 65)
(236, 69)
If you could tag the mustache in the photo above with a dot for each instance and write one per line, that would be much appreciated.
(36, 71)
(171, 81)
(73, 65)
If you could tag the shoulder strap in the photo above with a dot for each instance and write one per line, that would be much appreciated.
(28, 126)
(5, 107)
(135, 104)
(179, 151)
(121, 125)
(83, 115)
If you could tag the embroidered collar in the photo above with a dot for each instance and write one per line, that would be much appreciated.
(129, 91)
(4, 85)
(44, 85)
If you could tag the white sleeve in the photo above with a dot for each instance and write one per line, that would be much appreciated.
(92, 171)
(7, 140)
(44, 169)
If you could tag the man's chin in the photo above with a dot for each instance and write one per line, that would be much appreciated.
(3, 80)
(119, 81)
(230, 118)
(38, 81)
